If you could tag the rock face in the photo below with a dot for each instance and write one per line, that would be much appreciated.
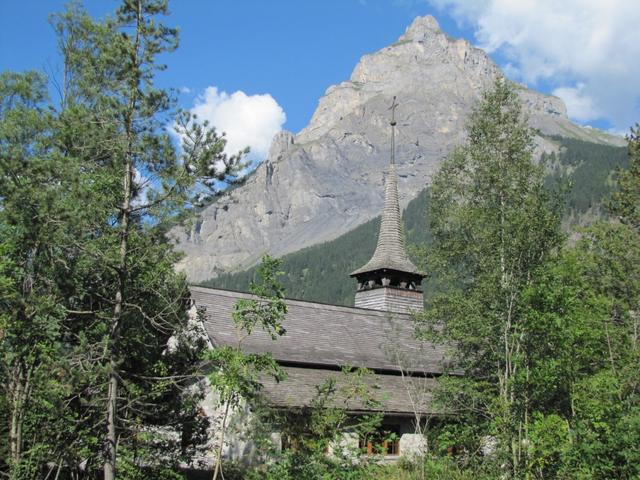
(327, 179)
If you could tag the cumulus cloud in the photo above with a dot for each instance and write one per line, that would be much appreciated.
(248, 120)
(580, 105)
(586, 49)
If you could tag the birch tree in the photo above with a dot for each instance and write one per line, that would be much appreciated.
(493, 224)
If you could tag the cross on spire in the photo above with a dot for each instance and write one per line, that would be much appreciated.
(390, 261)
(393, 107)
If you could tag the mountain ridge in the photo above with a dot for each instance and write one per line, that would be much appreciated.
(319, 273)
(324, 181)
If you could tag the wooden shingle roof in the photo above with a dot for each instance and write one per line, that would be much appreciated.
(327, 335)
(393, 394)
(390, 251)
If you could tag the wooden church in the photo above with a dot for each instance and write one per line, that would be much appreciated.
(378, 333)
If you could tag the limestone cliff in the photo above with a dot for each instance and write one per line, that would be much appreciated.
(327, 179)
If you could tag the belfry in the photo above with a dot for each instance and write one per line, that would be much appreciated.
(390, 281)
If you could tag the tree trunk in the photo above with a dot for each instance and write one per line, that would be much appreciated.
(125, 214)
(112, 396)
(19, 392)
(110, 461)
(218, 467)
(15, 424)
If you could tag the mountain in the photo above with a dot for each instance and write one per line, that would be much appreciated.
(320, 273)
(326, 180)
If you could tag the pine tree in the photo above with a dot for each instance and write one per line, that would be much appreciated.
(134, 184)
(91, 302)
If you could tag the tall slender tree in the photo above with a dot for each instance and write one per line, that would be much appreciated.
(93, 305)
(113, 122)
(493, 224)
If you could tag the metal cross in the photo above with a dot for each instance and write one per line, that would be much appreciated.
(393, 111)
(393, 130)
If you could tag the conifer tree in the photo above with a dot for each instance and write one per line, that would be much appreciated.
(91, 300)
(626, 201)
(135, 183)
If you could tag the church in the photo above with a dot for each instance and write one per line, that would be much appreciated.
(378, 334)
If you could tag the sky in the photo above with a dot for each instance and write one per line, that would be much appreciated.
(254, 67)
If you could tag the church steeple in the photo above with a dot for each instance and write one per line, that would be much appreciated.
(390, 281)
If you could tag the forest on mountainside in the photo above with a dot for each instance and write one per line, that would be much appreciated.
(320, 273)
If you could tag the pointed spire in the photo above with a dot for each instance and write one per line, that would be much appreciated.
(390, 252)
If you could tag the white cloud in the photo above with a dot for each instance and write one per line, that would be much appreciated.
(247, 120)
(587, 49)
(580, 105)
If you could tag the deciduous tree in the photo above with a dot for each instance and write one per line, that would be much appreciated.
(493, 223)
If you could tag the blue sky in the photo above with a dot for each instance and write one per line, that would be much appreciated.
(292, 50)
(274, 59)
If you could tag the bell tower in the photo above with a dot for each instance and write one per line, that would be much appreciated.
(390, 281)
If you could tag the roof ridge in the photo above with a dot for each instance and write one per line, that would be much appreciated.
(303, 303)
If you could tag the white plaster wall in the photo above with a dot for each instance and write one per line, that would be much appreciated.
(413, 445)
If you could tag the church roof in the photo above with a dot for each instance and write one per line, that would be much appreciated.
(330, 336)
(392, 394)
(320, 339)
(390, 251)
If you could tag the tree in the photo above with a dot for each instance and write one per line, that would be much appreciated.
(583, 359)
(493, 223)
(93, 306)
(113, 122)
(314, 430)
(625, 203)
(33, 181)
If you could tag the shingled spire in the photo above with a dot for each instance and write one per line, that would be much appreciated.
(390, 281)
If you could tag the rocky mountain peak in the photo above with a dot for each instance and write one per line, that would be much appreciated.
(421, 28)
(327, 179)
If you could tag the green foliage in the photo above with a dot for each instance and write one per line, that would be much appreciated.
(236, 374)
(89, 296)
(32, 179)
(625, 203)
(550, 440)
(573, 402)
(493, 223)
(269, 309)
(89, 292)
(310, 432)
